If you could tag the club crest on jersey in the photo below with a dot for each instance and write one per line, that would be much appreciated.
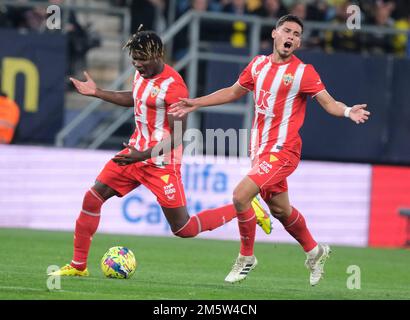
(154, 91)
(288, 79)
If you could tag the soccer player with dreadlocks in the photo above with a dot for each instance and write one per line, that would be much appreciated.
(152, 155)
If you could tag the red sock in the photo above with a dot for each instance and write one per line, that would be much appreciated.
(206, 220)
(85, 227)
(295, 224)
(247, 229)
(214, 218)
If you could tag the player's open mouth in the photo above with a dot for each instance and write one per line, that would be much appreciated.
(142, 72)
(287, 45)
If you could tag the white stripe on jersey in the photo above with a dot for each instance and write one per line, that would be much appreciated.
(160, 111)
(143, 117)
(254, 133)
(134, 95)
(160, 114)
(271, 103)
(290, 99)
(136, 88)
(256, 64)
(259, 82)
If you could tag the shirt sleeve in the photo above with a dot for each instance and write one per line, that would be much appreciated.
(176, 90)
(246, 78)
(311, 83)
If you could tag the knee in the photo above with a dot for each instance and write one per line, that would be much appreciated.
(92, 201)
(240, 201)
(189, 229)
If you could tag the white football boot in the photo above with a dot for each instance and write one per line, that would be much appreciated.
(241, 268)
(316, 264)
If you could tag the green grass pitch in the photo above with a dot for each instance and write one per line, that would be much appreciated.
(182, 269)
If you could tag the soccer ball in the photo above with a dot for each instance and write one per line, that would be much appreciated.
(118, 262)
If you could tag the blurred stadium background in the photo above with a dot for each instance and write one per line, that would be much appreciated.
(353, 184)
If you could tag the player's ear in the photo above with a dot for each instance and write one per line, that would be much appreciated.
(273, 33)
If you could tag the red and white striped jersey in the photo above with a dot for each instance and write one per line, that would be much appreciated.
(152, 98)
(280, 91)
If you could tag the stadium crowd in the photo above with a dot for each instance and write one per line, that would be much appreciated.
(383, 13)
(80, 38)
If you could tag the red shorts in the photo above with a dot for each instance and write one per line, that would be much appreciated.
(165, 183)
(269, 171)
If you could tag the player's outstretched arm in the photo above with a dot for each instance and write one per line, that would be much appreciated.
(225, 95)
(357, 113)
(89, 88)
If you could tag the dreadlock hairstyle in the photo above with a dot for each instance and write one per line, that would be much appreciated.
(146, 44)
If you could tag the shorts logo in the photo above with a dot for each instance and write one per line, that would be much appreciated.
(288, 79)
(169, 191)
(165, 178)
(264, 167)
(154, 91)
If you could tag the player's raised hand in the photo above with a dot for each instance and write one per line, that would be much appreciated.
(183, 107)
(87, 88)
(358, 113)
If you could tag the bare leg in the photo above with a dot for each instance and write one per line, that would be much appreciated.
(176, 217)
(104, 191)
(243, 194)
(279, 206)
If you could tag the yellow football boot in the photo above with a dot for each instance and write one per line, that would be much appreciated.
(262, 217)
(70, 271)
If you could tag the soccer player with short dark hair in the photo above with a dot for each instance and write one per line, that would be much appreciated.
(281, 84)
(152, 155)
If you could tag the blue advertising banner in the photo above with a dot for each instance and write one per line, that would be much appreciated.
(32, 73)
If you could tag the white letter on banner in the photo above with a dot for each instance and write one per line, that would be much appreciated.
(353, 281)
(54, 20)
(354, 19)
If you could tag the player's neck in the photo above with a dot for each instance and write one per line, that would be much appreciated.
(277, 59)
(159, 69)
